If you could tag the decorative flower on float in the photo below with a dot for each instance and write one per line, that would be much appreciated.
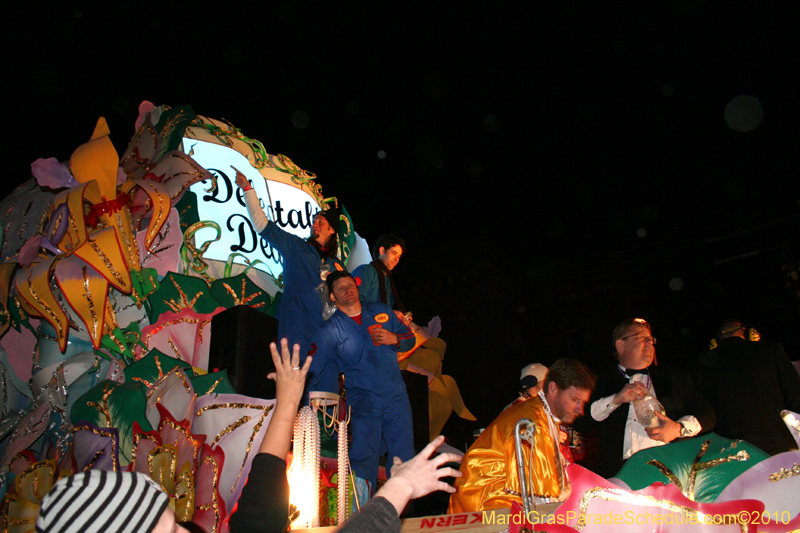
(20, 504)
(91, 230)
(700, 467)
(775, 481)
(198, 448)
(712, 484)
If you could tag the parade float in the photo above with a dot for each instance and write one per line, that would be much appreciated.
(112, 268)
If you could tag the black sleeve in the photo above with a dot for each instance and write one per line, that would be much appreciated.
(789, 380)
(377, 515)
(263, 506)
(697, 406)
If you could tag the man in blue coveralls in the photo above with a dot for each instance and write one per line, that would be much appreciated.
(362, 340)
(306, 263)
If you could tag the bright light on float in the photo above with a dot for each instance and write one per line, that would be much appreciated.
(304, 471)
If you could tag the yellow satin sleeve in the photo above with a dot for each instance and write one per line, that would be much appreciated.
(490, 479)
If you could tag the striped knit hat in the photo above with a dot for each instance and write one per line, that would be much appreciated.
(102, 501)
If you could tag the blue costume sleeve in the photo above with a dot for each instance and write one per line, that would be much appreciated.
(368, 290)
(323, 349)
(283, 241)
(300, 311)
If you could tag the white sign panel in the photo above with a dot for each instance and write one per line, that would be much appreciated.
(291, 208)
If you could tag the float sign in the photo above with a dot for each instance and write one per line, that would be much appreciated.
(289, 207)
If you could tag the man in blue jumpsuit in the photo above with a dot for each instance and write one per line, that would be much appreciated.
(361, 340)
(376, 277)
(306, 263)
(375, 284)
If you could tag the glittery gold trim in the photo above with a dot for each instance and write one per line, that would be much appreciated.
(167, 324)
(785, 473)
(198, 174)
(186, 434)
(102, 433)
(265, 411)
(184, 493)
(87, 295)
(93, 460)
(233, 427)
(143, 381)
(55, 321)
(164, 377)
(125, 231)
(22, 228)
(185, 302)
(136, 438)
(214, 386)
(106, 261)
(790, 420)
(50, 466)
(698, 466)
(114, 339)
(175, 349)
(667, 472)
(57, 223)
(214, 492)
(244, 300)
(104, 401)
(164, 453)
(111, 316)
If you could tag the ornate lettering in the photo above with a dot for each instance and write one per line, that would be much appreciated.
(215, 195)
(245, 232)
(279, 214)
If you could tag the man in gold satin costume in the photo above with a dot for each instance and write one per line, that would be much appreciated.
(490, 479)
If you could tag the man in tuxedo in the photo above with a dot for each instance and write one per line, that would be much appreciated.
(748, 384)
(612, 411)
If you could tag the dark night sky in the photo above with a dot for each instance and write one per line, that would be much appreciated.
(555, 167)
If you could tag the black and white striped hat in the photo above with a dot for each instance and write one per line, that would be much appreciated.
(102, 501)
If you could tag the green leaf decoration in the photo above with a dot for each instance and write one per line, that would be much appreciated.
(240, 290)
(17, 315)
(214, 383)
(122, 341)
(273, 308)
(187, 210)
(172, 125)
(154, 366)
(347, 235)
(145, 282)
(701, 467)
(114, 405)
(179, 292)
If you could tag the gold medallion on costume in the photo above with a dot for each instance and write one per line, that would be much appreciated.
(339, 267)
(381, 318)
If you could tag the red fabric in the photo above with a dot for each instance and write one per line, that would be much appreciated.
(108, 206)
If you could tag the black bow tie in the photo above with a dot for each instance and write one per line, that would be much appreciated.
(630, 373)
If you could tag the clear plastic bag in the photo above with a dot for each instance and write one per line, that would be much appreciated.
(645, 409)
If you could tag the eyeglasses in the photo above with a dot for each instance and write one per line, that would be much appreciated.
(642, 338)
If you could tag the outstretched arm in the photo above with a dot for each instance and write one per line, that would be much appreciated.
(290, 379)
(263, 506)
(419, 476)
(254, 211)
(412, 479)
